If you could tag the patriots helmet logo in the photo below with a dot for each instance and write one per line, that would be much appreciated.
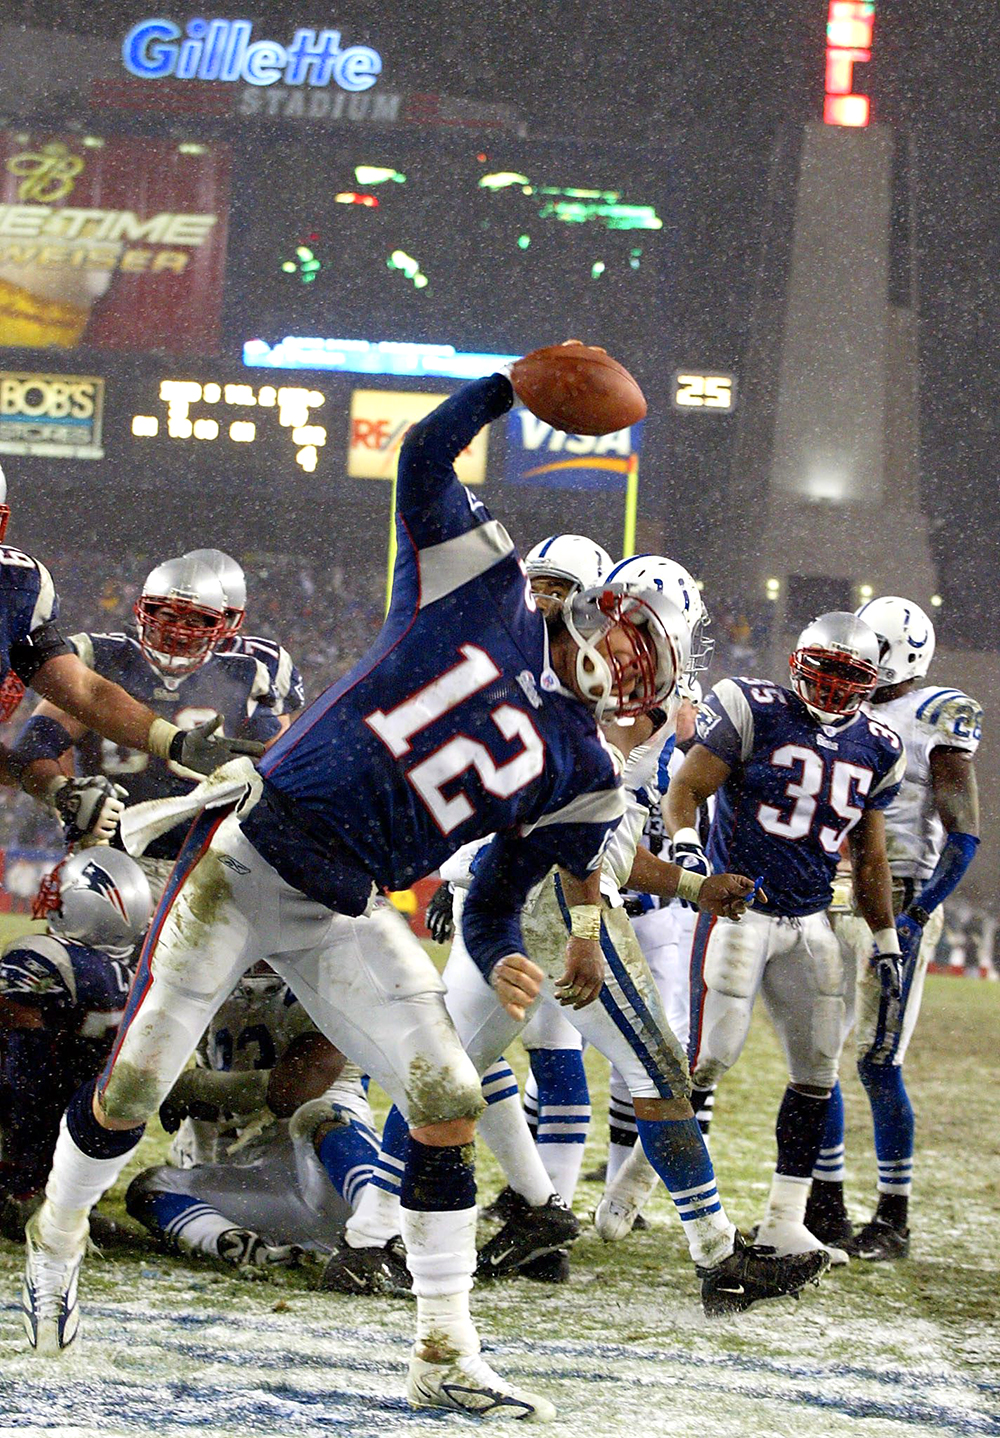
(99, 881)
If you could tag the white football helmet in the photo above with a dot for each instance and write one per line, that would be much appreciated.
(660, 640)
(672, 579)
(102, 899)
(260, 982)
(905, 637)
(234, 584)
(4, 506)
(572, 557)
(180, 615)
(834, 665)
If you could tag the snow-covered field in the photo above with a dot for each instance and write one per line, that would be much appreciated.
(624, 1349)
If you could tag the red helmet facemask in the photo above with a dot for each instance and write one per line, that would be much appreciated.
(11, 694)
(830, 681)
(179, 631)
(47, 900)
(640, 673)
(4, 520)
(234, 622)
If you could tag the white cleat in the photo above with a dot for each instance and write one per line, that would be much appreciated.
(788, 1238)
(48, 1294)
(625, 1197)
(469, 1385)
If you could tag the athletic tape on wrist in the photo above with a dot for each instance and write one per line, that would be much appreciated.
(886, 941)
(160, 736)
(585, 921)
(689, 885)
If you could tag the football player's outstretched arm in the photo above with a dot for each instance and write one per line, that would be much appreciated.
(106, 708)
(721, 894)
(427, 459)
(583, 975)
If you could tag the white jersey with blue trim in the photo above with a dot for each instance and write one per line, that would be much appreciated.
(925, 719)
(454, 725)
(795, 790)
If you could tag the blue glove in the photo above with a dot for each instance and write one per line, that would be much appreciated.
(910, 934)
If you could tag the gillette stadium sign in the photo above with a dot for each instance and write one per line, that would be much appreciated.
(225, 50)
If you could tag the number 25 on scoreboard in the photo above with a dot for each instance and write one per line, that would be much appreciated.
(703, 391)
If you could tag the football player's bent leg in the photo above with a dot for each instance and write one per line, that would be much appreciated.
(804, 989)
(727, 962)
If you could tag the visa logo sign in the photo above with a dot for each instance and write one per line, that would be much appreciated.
(222, 50)
(537, 454)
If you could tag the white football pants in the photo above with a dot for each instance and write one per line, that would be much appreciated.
(801, 971)
(366, 983)
(626, 1022)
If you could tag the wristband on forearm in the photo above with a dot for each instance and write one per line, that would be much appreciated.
(585, 921)
(160, 737)
(886, 941)
(689, 885)
(43, 738)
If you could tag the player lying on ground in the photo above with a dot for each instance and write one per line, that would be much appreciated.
(62, 996)
(932, 832)
(461, 721)
(177, 664)
(33, 652)
(274, 1137)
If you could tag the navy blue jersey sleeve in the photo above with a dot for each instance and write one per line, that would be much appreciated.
(33, 978)
(725, 724)
(430, 501)
(506, 871)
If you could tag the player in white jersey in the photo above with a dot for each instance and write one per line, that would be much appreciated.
(274, 1137)
(932, 829)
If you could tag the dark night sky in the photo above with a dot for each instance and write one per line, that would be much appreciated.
(620, 71)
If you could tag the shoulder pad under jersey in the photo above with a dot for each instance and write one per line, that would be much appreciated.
(956, 720)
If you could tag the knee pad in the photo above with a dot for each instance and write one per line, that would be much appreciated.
(439, 1094)
(731, 962)
(132, 1095)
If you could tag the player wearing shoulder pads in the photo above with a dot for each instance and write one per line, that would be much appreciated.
(286, 681)
(33, 652)
(932, 832)
(795, 772)
(463, 719)
(62, 995)
(283, 1159)
(173, 666)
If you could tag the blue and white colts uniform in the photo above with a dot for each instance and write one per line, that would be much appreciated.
(794, 792)
(29, 608)
(925, 719)
(453, 726)
(251, 1171)
(78, 993)
(286, 682)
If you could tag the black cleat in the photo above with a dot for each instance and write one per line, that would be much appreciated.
(749, 1275)
(550, 1268)
(380, 1272)
(879, 1242)
(530, 1233)
(828, 1221)
(507, 1203)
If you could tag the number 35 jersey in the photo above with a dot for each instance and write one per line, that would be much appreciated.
(796, 788)
(925, 719)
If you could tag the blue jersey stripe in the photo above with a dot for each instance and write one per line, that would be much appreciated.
(941, 694)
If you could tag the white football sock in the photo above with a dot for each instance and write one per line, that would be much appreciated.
(504, 1128)
(75, 1183)
(787, 1200)
(376, 1219)
(441, 1256)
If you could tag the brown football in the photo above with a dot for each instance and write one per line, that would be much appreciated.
(578, 388)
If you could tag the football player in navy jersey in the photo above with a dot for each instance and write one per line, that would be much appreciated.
(62, 995)
(468, 716)
(33, 652)
(172, 665)
(795, 771)
(286, 681)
